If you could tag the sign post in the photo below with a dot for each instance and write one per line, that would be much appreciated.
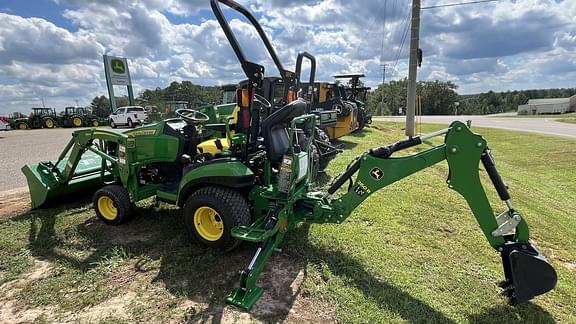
(117, 73)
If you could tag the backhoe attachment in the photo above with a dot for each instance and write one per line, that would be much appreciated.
(527, 272)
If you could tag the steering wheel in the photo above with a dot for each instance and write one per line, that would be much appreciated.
(193, 116)
(262, 101)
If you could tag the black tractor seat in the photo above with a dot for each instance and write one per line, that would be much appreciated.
(275, 129)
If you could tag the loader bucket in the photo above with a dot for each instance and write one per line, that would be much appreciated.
(528, 273)
(46, 182)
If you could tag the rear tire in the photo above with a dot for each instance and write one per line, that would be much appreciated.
(22, 126)
(76, 122)
(112, 204)
(130, 123)
(210, 214)
(321, 136)
(49, 123)
(361, 119)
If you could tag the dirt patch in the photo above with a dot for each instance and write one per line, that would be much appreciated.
(283, 300)
(14, 202)
(570, 265)
(11, 310)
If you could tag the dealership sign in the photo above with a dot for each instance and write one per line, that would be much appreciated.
(117, 70)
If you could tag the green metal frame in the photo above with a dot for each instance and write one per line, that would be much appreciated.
(278, 213)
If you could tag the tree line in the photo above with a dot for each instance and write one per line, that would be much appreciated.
(196, 95)
(441, 98)
(436, 98)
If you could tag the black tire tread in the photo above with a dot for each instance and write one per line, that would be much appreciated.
(321, 136)
(122, 200)
(229, 199)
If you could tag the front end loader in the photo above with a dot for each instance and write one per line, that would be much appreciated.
(260, 185)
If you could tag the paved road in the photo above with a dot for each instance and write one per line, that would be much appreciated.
(30, 146)
(534, 125)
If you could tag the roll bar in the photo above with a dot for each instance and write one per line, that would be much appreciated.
(254, 72)
(312, 60)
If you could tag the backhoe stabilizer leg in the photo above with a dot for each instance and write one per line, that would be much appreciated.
(248, 294)
(527, 272)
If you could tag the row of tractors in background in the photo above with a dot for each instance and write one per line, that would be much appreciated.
(49, 118)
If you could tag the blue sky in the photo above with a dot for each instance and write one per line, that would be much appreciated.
(52, 49)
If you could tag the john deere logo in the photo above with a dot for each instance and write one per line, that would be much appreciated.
(118, 66)
(376, 173)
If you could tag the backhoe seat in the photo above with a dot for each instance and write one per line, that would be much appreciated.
(275, 129)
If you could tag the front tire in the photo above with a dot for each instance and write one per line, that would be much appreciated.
(210, 214)
(95, 123)
(112, 204)
(130, 123)
(112, 124)
(22, 126)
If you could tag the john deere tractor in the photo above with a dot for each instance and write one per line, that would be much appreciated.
(259, 186)
(39, 118)
(77, 117)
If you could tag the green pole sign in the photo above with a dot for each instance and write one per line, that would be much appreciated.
(117, 73)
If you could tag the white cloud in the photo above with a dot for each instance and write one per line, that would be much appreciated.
(504, 45)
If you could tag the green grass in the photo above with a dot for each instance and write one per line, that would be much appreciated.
(567, 120)
(411, 253)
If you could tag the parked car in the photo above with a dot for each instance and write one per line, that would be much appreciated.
(4, 123)
(129, 116)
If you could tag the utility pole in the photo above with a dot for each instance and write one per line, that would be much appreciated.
(383, 81)
(412, 68)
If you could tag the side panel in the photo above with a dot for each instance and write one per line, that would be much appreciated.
(228, 173)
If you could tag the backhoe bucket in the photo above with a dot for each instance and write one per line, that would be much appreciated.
(46, 181)
(528, 273)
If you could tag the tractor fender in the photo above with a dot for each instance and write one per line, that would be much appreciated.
(222, 172)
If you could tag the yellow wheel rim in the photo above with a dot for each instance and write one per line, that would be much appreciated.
(208, 223)
(107, 208)
(77, 122)
(22, 126)
(49, 123)
(95, 123)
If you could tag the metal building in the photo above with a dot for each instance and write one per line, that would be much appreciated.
(548, 106)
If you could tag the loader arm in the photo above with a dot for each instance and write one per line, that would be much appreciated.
(74, 171)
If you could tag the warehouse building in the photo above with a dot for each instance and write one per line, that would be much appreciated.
(548, 106)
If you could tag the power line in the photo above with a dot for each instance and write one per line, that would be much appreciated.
(458, 4)
(407, 27)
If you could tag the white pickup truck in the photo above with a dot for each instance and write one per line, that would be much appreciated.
(128, 115)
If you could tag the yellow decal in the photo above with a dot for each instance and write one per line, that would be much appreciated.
(142, 132)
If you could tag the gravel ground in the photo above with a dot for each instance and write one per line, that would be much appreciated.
(20, 147)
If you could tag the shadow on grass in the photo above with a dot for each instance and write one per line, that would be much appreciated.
(344, 145)
(205, 277)
(525, 313)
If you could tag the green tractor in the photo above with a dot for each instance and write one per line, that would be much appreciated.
(77, 117)
(259, 188)
(39, 118)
